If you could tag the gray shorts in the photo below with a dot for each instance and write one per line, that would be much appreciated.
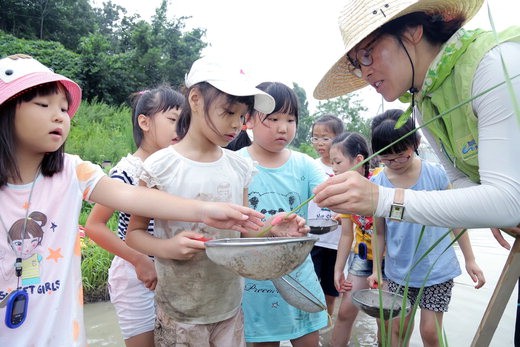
(169, 333)
(434, 298)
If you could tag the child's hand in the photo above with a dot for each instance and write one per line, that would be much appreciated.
(476, 274)
(185, 245)
(223, 215)
(345, 286)
(372, 281)
(145, 270)
(284, 225)
(341, 284)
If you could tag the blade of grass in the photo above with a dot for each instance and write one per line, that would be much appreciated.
(268, 229)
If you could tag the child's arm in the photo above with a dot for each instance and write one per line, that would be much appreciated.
(378, 249)
(182, 246)
(474, 271)
(153, 203)
(96, 228)
(344, 247)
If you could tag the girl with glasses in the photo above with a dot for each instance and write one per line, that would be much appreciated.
(323, 254)
(421, 260)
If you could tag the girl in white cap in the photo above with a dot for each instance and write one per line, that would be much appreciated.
(38, 178)
(198, 302)
(418, 48)
(132, 276)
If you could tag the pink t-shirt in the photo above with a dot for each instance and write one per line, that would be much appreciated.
(51, 255)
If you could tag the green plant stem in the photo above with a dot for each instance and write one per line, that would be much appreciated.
(268, 229)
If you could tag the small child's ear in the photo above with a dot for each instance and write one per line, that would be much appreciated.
(144, 122)
(250, 120)
(359, 158)
(195, 100)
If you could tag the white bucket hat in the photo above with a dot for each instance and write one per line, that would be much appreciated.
(359, 18)
(229, 79)
(20, 72)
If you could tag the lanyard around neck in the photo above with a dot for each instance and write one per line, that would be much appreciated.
(18, 263)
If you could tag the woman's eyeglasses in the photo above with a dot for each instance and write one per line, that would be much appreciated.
(399, 160)
(320, 139)
(363, 57)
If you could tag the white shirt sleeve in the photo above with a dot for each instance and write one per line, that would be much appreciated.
(496, 201)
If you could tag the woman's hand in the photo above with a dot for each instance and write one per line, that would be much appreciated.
(284, 225)
(223, 215)
(348, 193)
(514, 231)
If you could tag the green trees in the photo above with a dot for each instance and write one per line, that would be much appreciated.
(348, 108)
(109, 53)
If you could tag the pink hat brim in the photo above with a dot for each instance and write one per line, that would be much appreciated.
(16, 87)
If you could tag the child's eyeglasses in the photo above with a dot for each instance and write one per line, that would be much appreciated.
(320, 139)
(399, 160)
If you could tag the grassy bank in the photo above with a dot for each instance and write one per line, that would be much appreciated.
(95, 262)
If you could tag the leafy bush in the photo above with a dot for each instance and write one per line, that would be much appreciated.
(101, 132)
(95, 262)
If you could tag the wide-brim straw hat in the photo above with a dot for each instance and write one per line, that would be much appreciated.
(359, 18)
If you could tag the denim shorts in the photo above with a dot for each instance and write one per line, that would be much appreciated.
(362, 267)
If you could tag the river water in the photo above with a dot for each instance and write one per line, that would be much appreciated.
(466, 310)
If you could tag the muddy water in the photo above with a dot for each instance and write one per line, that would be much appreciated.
(460, 323)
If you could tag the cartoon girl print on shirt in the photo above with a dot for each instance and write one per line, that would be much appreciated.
(24, 244)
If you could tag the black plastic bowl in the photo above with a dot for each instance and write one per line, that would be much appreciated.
(322, 226)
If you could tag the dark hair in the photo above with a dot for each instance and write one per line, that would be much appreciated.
(284, 97)
(52, 162)
(334, 123)
(242, 140)
(351, 144)
(384, 133)
(150, 102)
(210, 94)
(436, 28)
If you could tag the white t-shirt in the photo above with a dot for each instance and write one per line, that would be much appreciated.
(496, 201)
(329, 240)
(52, 243)
(197, 291)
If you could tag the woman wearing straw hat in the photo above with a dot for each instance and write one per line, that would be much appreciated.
(465, 90)
(419, 48)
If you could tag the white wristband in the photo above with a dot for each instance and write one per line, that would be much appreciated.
(385, 200)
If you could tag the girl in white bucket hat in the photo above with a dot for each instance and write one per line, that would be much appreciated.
(40, 287)
(419, 48)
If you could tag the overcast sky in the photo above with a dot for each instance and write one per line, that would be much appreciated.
(288, 40)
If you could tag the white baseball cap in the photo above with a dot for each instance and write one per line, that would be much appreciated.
(229, 79)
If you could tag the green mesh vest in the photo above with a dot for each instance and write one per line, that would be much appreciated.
(456, 132)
